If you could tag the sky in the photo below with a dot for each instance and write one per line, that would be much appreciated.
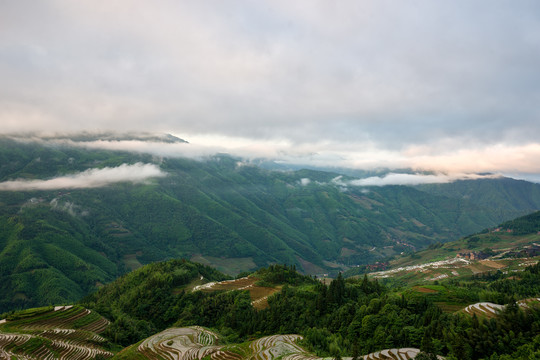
(442, 86)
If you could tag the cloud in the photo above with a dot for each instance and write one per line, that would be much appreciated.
(68, 207)
(91, 178)
(414, 179)
(448, 156)
(305, 181)
(369, 72)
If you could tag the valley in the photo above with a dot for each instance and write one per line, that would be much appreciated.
(218, 210)
(505, 249)
(186, 263)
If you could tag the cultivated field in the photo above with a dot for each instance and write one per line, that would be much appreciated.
(486, 309)
(196, 343)
(181, 343)
(490, 310)
(453, 268)
(259, 294)
(62, 332)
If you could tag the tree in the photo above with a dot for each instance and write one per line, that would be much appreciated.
(355, 351)
(425, 356)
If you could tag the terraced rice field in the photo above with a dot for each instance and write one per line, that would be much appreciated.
(275, 346)
(188, 343)
(388, 354)
(484, 309)
(491, 310)
(425, 290)
(196, 343)
(69, 332)
(394, 354)
(258, 294)
(527, 303)
(285, 347)
(193, 343)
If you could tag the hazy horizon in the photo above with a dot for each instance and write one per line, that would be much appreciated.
(444, 87)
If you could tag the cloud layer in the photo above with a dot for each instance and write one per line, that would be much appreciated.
(92, 178)
(436, 85)
(414, 179)
(512, 160)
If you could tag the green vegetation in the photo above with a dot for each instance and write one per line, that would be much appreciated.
(349, 315)
(498, 245)
(499, 194)
(346, 317)
(29, 313)
(62, 333)
(279, 275)
(529, 224)
(147, 300)
(58, 246)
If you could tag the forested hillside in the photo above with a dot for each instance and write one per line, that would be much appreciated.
(350, 317)
(60, 244)
(497, 193)
(358, 316)
(507, 248)
(495, 316)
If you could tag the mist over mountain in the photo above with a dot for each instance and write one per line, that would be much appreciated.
(73, 217)
(149, 148)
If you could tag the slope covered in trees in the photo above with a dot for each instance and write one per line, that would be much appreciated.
(506, 247)
(153, 307)
(347, 317)
(58, 245)
(528, 224)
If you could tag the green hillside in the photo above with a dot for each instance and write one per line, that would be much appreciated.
(62, 332)
(506, 240)
(149, 299)
(504, 249)
(525, 225)
(171, 308)
(358, 316)
(60, 245)
(499, 194)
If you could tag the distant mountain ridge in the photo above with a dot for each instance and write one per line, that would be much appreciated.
(61, 244)
(101, 136)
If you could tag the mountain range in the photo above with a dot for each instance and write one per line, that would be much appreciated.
(477, 297)
(58, 244)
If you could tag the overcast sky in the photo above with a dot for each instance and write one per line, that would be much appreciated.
(448, 86)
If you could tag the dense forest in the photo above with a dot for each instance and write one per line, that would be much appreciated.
(348, 317)
(523, 225)
(59, 245)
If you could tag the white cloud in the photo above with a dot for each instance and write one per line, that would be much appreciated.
(414, 179)
(370, 71)
(338, 181)
(91, 178)
(448, 157)
(305, 181)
